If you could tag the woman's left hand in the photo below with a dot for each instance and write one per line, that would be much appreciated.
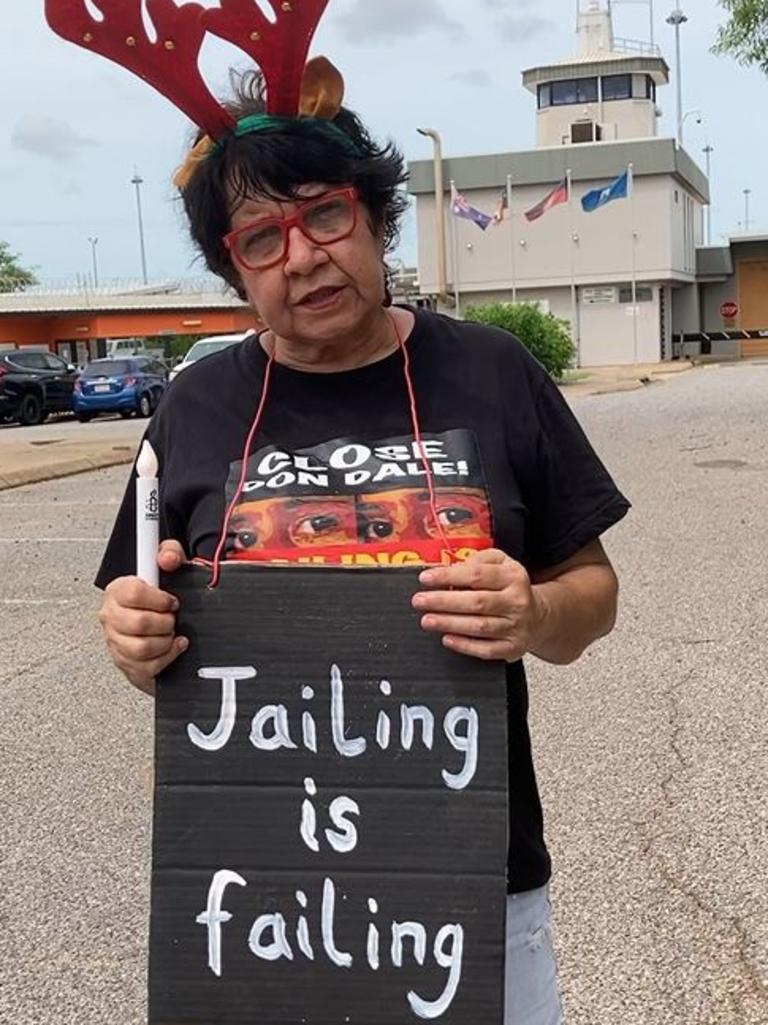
(486, 607)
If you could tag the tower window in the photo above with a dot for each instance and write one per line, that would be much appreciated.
(545, 96)
(576, 90)
(617, 87)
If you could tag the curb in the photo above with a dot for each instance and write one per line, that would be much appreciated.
(630, 384)
(66, 468)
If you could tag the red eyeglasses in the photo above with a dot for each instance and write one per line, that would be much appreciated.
(327, 219)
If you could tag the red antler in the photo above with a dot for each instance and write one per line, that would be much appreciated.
(170, 64)
(279, 47)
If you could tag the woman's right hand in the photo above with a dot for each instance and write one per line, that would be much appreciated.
(139, 623)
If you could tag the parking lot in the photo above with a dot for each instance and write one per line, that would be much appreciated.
(651, 750)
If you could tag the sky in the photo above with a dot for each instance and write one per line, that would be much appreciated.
(76, 126)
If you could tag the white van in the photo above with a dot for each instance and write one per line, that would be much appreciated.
(117, 347)
(206, 347)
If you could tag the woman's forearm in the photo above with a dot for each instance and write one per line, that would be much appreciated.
(577, 609)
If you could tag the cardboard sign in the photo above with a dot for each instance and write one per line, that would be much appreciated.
(330, 835)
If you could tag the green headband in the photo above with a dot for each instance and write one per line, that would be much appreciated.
(255, 123)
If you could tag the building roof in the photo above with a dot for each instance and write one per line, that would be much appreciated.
(78, 297)
(588, 162)
(598, 64)
(743, 237)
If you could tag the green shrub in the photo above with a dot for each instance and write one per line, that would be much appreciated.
(544, 335)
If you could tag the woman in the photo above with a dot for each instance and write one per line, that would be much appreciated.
(298, 218)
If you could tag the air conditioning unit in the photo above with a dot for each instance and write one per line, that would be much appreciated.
(585, 131)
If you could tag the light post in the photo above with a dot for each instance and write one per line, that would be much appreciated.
(676, 19)
(138, 181)
(747, 194)
(442, 261)
(94, 240)
(708, 150)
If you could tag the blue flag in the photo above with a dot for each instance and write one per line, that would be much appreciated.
(618, 189)
(461, 208)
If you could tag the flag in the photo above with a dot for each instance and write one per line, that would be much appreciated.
(461, 208)
(501, 209)
(618, 189)
(555, 198)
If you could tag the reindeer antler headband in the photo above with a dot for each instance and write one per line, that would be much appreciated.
(170, 62)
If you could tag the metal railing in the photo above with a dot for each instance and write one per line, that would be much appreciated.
(637, 47)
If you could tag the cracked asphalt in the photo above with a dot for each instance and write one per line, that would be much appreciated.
(651, 751)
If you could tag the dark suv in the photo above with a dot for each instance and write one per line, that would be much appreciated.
(34, 384)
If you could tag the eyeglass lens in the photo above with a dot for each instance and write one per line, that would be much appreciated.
(323, 222)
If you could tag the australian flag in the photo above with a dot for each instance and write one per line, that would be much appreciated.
(618, 189)
(460, 207)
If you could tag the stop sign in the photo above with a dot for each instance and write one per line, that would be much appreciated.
(729, 310)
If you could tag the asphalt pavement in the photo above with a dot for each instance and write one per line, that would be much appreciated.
(651, 751)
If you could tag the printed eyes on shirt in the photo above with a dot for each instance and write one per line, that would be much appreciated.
(394, 516)
(406, 515)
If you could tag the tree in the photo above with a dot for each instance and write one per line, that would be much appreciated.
(546, 337)
(745, 37)
(13, 277)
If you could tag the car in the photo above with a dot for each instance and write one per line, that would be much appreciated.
(34, 384)
(124, 386)
(120, 347)
(206, 347)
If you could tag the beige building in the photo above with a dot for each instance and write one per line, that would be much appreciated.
(597, 116)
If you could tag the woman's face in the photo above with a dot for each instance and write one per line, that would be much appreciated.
(316, 293)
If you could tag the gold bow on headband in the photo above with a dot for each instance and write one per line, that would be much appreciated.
(322, 94)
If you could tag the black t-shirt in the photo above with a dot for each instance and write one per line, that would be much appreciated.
(334, 475)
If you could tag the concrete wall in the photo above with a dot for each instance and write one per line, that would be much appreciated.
(619, 119)
(544, 253)
(608, 332)
(606, 329)
(686, 310)
(713, 295)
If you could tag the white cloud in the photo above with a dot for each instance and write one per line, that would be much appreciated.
(517, 28)
(475, 78)
(367, 22)
(49, 137)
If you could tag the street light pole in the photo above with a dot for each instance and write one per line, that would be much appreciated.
(676, 19)
(138, 181)
(442, 260)
(94, 240)
(747, 194)
(709, 149)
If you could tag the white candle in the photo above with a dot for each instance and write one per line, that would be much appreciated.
(147, 515)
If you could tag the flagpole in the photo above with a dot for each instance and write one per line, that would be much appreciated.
(455, 240)
(512, 237)
(574, 296)
(635, 325)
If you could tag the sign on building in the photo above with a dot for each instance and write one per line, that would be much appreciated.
(330, 837)
(599, 296)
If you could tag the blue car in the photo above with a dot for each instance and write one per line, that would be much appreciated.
(124, 386)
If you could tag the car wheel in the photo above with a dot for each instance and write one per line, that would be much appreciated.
(145, 406)
(84, 418)
(31, 411)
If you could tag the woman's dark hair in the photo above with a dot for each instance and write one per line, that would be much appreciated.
(277, 163)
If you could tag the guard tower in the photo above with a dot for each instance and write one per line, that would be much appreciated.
(606, 93)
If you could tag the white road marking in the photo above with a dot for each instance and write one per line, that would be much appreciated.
(38, 601)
